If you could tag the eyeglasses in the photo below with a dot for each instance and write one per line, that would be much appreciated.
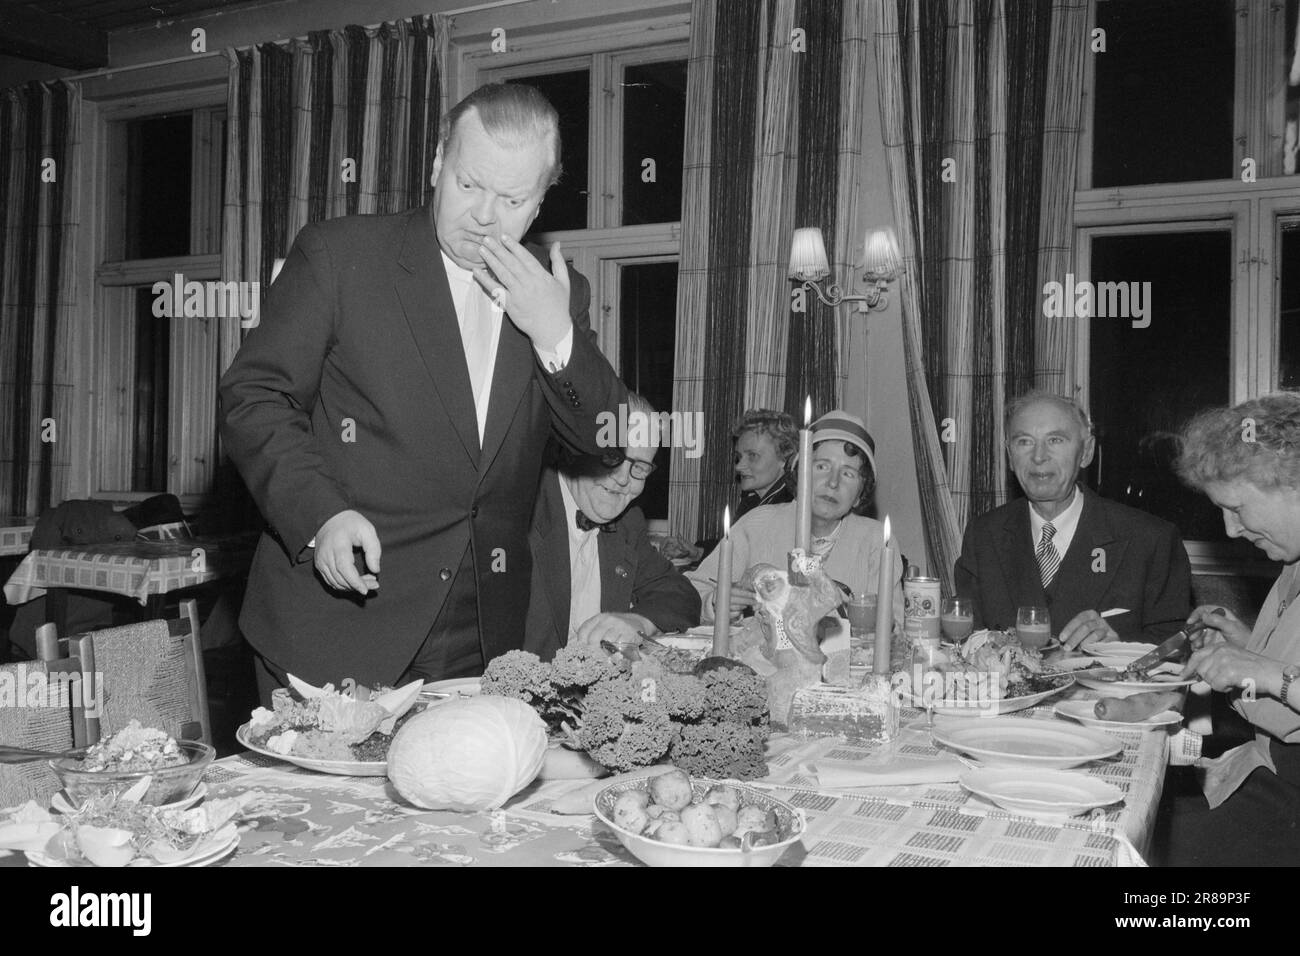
(640, 470)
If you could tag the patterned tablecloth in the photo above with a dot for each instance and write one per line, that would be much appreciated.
(308, 819)
(15, 536)
(136, 569)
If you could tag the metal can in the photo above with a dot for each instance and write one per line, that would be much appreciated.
(921, 609)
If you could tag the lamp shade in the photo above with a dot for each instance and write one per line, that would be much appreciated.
(808, 255)
(882, 259)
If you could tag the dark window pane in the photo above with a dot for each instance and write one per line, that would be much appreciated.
(152, 382)
(1291, 71)
(1289, 306)
(647, 338)
(566, 202)
(1146, 382)
(158, 186)
(1164, 92)
(654, 124)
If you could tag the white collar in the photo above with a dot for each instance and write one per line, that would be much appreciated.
(1065, 523)
(571, 511)
(454, 272)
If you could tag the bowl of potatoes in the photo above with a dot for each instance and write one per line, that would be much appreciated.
(671, 820)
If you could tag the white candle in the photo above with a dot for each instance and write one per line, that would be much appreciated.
(722, 606)
(884, 608)
(803, 530)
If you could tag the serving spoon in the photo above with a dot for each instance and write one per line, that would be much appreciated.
(10, 754)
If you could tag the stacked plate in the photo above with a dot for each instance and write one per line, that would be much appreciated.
(1024, 764)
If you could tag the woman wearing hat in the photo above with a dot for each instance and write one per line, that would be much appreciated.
(850, 545)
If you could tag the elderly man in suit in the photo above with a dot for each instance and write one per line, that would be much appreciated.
(1066, 548)
(595, 574)
(393, 406)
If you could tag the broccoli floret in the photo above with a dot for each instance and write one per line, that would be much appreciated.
(518, 674)
(734, 694)
(723, 751)
(577, 668)
(621, 730)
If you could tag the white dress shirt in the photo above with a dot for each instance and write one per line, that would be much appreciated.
(1066, 523)
(584, 564)
(475, 305)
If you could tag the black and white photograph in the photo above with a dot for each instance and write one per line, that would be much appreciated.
(605, 434)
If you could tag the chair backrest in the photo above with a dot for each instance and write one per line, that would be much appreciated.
(35, 711)
(151, 671)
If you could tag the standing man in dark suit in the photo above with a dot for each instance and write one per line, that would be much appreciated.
(393, 406)
(595, 574)
(1068, 549)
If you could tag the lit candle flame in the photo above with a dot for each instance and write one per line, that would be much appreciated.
(726, 521)
(807, 411)
(886, 531)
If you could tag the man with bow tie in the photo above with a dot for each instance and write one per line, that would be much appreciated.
(596, 577)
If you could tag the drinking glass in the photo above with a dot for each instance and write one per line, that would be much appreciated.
(957, 619)
(1033, 626)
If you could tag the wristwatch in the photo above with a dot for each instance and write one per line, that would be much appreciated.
(1288, 675)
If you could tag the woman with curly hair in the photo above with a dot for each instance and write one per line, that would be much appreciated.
(1246, 459)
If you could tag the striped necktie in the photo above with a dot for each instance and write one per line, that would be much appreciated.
(1048, 559)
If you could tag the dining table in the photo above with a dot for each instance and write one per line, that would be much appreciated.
(298, 817)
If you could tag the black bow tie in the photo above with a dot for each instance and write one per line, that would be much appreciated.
(586, 524)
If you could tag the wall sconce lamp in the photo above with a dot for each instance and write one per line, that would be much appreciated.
(883, 264)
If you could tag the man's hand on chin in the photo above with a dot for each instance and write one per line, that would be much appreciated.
(335, 542)
(536, 300)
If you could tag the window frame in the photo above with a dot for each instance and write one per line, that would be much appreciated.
(1252, 212)
(192, 426)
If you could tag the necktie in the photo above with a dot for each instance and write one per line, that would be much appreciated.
(586, 524)
(477, 339)
(1048, 560)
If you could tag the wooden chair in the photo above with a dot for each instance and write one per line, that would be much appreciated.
(151, 671)
(32, 715)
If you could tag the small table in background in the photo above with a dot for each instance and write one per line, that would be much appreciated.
(146, 571)
(15, 536)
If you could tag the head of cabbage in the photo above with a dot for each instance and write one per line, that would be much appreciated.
(468, 755)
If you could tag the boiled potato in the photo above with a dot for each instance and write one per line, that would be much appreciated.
(723, 797)
(673, 831)
(726, 819)
(750, 818)
(672, 790)
(702, 825)
(630, 811)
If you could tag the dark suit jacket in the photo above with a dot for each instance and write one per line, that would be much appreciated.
(353, 393)
(633, 575)
(1145, 570)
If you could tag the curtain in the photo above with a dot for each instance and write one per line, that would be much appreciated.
(774, 126)
(39, 168)
(981, 178)
(337, 123)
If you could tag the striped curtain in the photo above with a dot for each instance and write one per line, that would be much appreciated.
(39, 168)
(963, 88)
(337, 123)
(774, 107)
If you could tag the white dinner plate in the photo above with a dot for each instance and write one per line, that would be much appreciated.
(1127, 688)
(986, 707)
(60, 803)
(1042, 794)
(1020, 741)
(1082, 711)
(205, 857)
(344, 768)
(1128, 651)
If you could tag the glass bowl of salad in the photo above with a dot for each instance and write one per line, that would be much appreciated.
(118, 763)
